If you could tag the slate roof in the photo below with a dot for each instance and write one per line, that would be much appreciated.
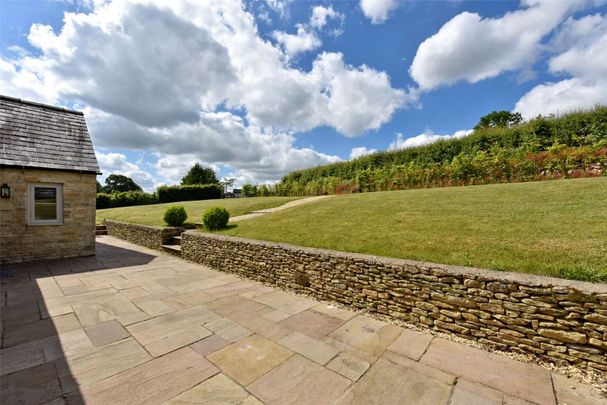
(42, 136)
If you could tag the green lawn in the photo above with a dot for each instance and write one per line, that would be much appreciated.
(556, 228)
(153, 214)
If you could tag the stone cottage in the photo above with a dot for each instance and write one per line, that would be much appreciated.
(48, 183)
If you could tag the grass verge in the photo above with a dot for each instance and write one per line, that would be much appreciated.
(556, 228)
(153, 214)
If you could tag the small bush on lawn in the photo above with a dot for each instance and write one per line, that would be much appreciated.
(175, 216)
(215, 218)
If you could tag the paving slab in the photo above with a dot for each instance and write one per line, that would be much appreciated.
(228, 330)
(526, 381)
(250, 358)
(349, 366)
(299, 381)
(209, 345)
(470, 393)
(104, 333)
(216, 390)
(370, 336)
(111, 359)
(314, 349)
(412, 344)
(570, 391)
(153, 382)
(390, 383)
(34, 385)
(312, 323)
(283, 301)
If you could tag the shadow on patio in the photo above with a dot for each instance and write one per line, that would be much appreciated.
(42, 335)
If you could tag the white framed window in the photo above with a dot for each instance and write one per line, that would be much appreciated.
(45, 204)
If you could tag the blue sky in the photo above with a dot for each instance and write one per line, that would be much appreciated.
(257, 89)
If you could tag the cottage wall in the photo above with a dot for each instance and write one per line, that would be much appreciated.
(20, 242)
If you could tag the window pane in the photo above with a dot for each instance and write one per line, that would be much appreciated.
(45, 203)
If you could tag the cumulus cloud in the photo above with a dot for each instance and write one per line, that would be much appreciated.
(581, 54)
(294, 44)
(423, 139)
(361, 151)
(198, 77)
(117, 163)
(378, 11)
(321, 15)
(217, 139)
(472, 48)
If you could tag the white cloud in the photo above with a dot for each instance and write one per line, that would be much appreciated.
(423, 139)
(581, 46)
(158, 76)
(472, 48)
(280, 6)
(117, 163)
(321, 15)
(378, 11)
(361, 151)
(217, 139)
(294, 44)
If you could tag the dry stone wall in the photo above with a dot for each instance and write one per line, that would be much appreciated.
(152, 237)
(559, 320)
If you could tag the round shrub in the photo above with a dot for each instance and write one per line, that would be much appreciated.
(215, 218)
(175, 216)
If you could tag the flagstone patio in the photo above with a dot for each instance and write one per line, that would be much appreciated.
(134, 326)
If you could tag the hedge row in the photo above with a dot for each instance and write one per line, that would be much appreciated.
(572, 145)
(163, 194)
(125, 199)
(187, 193)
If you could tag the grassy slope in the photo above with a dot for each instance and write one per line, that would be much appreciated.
(554, 228)
(153, 214)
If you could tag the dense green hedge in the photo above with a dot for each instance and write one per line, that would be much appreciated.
(125, 199)
(572, 145)
(163, 194)
(187, 193)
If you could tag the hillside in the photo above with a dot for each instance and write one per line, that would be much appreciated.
(556, 228)
(569, 146)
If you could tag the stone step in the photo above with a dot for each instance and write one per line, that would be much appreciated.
(172, 249)
(176, 240)
(100, 227)
(100, 232)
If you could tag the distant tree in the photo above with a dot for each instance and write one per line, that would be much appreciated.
(116, 183)
(226, 182)
(99, 187)
(199, 174)
(500, 119)
(249, 190)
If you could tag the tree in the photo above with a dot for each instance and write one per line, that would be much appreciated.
(199, 174)
(500, 119)
(99, 187)
(249, 190)
(225, 182)
(116, 183)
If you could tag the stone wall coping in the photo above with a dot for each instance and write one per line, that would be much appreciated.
(151, 227)
(521, 278)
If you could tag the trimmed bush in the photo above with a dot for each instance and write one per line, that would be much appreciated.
(189, 193)
(175, 216)
(103, 201)
(125, 199)
(215, 218)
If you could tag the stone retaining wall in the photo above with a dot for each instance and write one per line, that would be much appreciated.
(562, 321)
(152, 237)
